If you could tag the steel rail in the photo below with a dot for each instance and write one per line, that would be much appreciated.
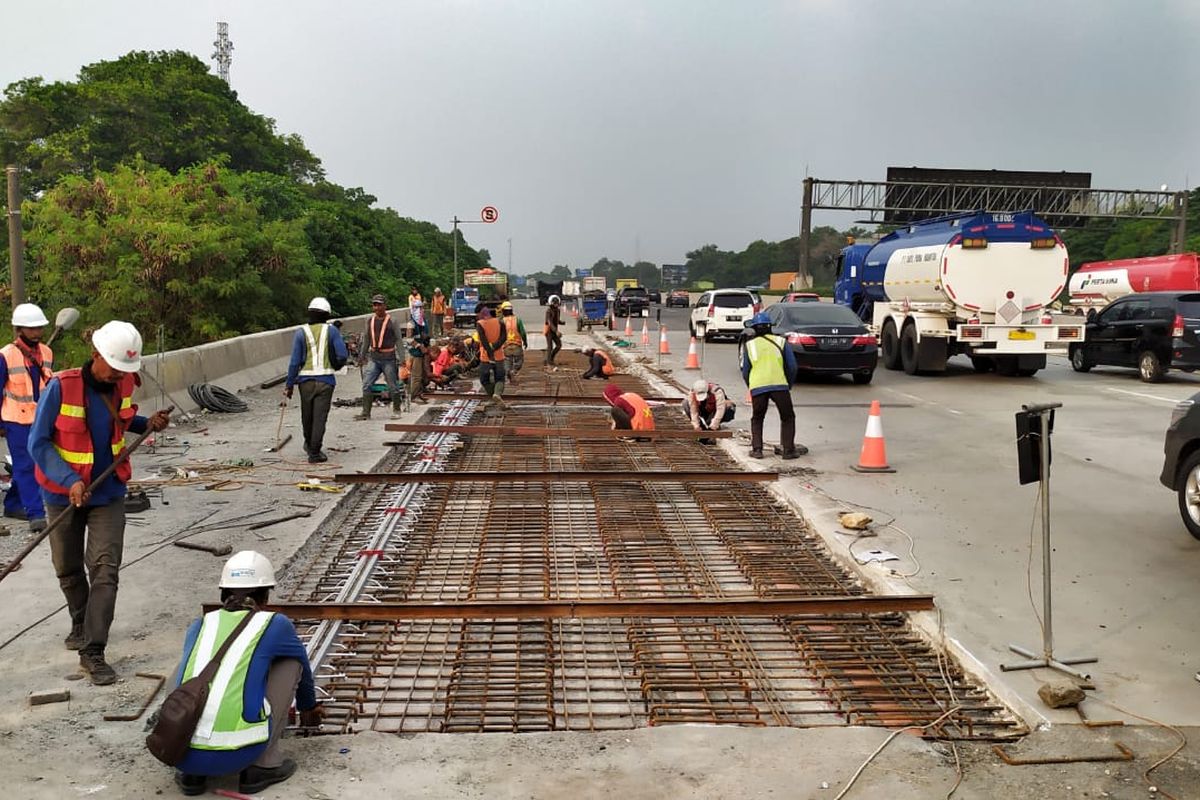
(563, 476)
(570, 433)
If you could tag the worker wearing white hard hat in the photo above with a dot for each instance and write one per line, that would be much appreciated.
(241, 727)
(318, 351)
(26, 366)
(707, 407)
(78, 408)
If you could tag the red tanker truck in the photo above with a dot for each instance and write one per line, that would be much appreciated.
(1100, 282)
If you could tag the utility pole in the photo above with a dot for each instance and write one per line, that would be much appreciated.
(223, 55)
(804, 272)
(16, 248)
(456, 220)
(509, 255)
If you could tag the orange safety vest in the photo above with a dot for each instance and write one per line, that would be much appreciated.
(495, 335)
(377, 335)
(72, 438)
(607, 369)
(19, 405)
(643, 418)
(439, 305)
(514, 333)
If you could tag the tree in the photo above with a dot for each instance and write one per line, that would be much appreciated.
(561, 272)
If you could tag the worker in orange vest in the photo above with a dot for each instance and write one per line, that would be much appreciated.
(79, 408)
(437, 307)
(515, 342)
(492, 336)
(24, 372)
(599, 364)
(382, 336)
(630, 411)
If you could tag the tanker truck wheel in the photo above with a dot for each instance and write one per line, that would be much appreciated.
(908, 350)
(891, 346)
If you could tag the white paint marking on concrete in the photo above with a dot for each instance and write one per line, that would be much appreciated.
(954, 411)
(912, 397)
(1143, 394)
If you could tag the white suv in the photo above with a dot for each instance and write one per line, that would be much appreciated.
(723, 312)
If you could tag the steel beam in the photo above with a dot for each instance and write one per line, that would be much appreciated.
(582, 476)
(590, 609)
(574, 433)
(564, 399)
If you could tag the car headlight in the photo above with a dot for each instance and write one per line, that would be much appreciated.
(1181, 410)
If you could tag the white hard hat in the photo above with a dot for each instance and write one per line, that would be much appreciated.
(120, 345)
(27, 315)
(247, 569)
(700, 389)
(554, 299)
(320, 304)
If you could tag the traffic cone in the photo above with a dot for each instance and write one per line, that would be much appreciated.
(693, 361)
(575, 311)
(628, 326)
(664, 348)
(874, 453)
(645, 333)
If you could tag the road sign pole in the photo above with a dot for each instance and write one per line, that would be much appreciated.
(455, 254)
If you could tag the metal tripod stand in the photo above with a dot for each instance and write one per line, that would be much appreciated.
(1047, 659)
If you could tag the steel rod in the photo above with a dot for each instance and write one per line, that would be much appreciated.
(576, 433)
(581, 476)
(564, 399)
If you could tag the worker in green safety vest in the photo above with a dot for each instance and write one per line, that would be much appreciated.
(264, 670)
(769, 369)
(318, 352)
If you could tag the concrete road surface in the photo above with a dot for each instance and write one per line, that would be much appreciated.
(1126, 571)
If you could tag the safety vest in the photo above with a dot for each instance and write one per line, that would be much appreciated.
(491, 328)
(766, 361)
(73, 439)
(439, 305)
(19, 405)
(607, 368)
(223, 724)
(378, 333)
(643, 418)
(511, 324)
(317, 361)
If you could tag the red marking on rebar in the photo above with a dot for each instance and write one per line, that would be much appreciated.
(396, 510)
(369, 553)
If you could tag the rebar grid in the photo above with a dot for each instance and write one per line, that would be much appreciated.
(537, 541)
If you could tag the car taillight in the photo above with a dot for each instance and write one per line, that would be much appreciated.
(1177, 330)
(801, 339)
(866, 341)
(710, 310)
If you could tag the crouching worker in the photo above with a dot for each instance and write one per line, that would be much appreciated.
(707, 407)
(599, 364)
(264, 669)
(630, 411)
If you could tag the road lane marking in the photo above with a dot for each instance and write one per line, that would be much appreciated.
(1143, 394)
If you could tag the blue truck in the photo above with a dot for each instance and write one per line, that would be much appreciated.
(977, 284)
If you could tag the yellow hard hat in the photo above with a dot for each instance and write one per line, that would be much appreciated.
(505, 305)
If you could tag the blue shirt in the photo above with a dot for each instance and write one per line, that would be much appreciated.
(789, 369)
(100, 425)
(279, 640)
(337, 352)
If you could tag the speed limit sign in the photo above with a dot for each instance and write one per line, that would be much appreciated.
(489, 214)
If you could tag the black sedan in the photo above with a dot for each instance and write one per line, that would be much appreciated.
(826, 339)
(679, 298)
(1181, 465)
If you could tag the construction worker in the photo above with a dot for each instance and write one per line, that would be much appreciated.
(599, 364)
(414, 296)
(630, 411)
(317, 352)
(769, 369)
(381, 359)
(418, 347)
(437, 307)
(418, 323)
(707, 407)
(78, 433)
(491, 355)
(515, 342)
(553, 339)
(26, 368)
(247, 709)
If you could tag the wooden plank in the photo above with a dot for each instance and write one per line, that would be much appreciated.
(584, 609)
(664, 476)
(573, 433)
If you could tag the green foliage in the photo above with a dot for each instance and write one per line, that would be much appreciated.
(1110, 239)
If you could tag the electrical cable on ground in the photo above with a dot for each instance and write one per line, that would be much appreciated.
(1182, 744)
(1037, 503)
(213, 398)
(858, 772)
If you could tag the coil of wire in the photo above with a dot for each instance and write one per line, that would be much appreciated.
(213, 398)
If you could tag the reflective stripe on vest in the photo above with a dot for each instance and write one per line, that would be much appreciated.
(72, 436)
(317, 361)
(643, 417)
(18, 405)
(378, 336)
(766, 362)
(514, 332)
(223, 724)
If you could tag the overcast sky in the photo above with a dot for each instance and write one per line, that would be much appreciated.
(650, 128)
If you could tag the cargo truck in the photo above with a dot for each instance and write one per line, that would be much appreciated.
(547, 289)
(485, 286)
(595, 284)
(977, 284)
(1098, 283)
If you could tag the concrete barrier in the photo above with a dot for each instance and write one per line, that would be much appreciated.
(233, 364)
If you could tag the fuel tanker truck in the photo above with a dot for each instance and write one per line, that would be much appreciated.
(1098, 283)
(977, 284)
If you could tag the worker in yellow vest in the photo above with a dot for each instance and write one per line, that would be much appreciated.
(318, 352)
(26, 368)
(264, 670)
(769, 369)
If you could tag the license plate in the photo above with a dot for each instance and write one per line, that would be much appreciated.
(645, 312)
(1022, 336)
(733, 318)
(835, 342)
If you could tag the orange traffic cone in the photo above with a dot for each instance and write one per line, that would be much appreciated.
(663, 347)
(874, 453)
(575, 312)
(693, 361)
(645, 333)
(628, 326)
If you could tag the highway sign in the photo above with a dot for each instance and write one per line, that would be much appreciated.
(489, 214)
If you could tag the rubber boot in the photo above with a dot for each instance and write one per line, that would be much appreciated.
(397, 405)
(499, 395)
(368, 400)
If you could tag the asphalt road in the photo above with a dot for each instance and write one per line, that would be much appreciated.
(1125, 568)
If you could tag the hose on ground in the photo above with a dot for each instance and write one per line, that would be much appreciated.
(213, 398)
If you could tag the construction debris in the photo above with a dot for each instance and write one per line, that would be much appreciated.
(1061, 694)
(855, 520)
(1123, 754)
(49, 696)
